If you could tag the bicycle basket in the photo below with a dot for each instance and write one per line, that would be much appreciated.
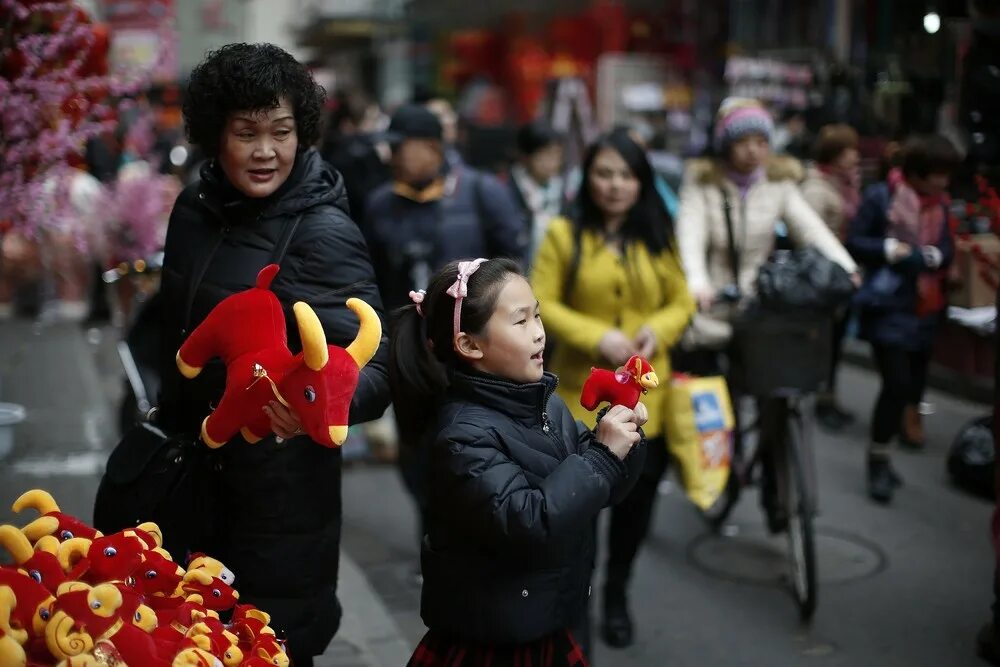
(782, 352)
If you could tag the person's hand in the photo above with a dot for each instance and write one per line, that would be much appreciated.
(617, 431)
(933, 257)
(704, 297)
(856, 279)
(616, 347)
(899, 252)
(645, 342)
(284, 422)
(640, 415)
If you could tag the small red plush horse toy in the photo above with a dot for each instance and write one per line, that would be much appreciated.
(247, 330)
(622, 387)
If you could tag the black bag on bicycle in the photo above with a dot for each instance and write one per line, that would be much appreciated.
(803, 279)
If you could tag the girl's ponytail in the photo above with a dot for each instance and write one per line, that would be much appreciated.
(416, 377)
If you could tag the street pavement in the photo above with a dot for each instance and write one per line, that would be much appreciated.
(907, 584)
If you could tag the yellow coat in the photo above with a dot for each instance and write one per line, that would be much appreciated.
(609, 293)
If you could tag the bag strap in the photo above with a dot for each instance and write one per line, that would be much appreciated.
(734, 256)
(277, 255)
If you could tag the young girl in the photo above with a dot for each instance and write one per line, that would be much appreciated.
(515, 483)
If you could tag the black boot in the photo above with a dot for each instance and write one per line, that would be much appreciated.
(616, 627)
(883, 480)
(831, 416)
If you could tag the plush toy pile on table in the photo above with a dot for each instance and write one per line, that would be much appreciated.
(76, 598)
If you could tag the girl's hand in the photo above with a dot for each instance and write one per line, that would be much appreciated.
(284, 422)
(645, 342)
(640, 415)
(617, 431)
(616, 347)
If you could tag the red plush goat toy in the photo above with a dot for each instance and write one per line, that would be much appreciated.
(247, 330)
(622, 387)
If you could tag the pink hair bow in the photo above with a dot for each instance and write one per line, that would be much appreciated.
(460, 289)
(417, 297)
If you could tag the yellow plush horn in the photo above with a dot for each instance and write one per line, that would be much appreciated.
(40, 527)
(16, 543)
(63, 643)
(369, 333)
(72, 551)
(199, 576)
(154, 532)
(49, 544)
(7, 603)
(311, 332)
(36, 499)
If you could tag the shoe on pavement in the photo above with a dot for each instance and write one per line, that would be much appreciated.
(911, 435)
(616, 627)
(883, 480)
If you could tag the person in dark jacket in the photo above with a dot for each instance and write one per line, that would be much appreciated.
(434, 212)
(254, 110)
(536, 182)
(515, 482)
(902, 237)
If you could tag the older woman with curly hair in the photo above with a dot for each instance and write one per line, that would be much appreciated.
(266, 195)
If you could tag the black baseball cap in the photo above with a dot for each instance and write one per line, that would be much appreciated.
(413, 121)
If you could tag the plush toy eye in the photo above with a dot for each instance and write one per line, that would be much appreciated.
(96, 604)
(65, 535)
(216, 593)
(45, 614)
(36, 575)
(138, 616)
(310, 394)
(110, 552)
(151, 574)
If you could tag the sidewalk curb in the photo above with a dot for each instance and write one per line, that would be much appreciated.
(368, 635)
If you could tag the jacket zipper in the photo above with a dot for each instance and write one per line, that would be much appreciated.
(547, 425)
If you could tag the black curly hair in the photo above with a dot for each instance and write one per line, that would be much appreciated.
(249, 77)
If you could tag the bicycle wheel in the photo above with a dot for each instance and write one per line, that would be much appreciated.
(801, 538)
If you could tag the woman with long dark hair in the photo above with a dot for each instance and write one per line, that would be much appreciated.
(611, 285)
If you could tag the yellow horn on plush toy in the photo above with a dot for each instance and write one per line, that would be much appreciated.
(41, 527)
(369, 333)
(7, 603)
(311, 332)
(36, 499)
(72, 551)
(63, 643)
(16, 543)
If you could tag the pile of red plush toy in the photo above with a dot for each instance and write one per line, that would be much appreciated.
(76, 598)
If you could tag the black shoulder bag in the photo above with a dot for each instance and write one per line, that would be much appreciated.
(163, 477)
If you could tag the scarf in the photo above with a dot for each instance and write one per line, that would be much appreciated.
(543, 202)
(744, 182)
(848, 186)
(919, 221)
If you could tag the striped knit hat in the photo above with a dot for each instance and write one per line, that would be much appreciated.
(739, 117)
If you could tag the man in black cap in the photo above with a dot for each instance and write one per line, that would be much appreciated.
(433, 211)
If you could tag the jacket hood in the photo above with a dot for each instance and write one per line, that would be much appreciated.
(710, 171)
(522, 402)
(311, 183)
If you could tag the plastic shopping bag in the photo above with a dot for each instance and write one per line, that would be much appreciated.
(701, 435)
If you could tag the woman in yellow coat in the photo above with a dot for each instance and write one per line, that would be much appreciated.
(611, 285)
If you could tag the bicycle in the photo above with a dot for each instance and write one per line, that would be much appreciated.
(792, 455)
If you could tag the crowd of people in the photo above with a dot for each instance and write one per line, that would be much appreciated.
(507, 470)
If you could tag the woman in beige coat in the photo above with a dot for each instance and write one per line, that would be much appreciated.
(833, 188)
(760, 191)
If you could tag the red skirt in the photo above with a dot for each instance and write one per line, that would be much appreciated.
(440, 650)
